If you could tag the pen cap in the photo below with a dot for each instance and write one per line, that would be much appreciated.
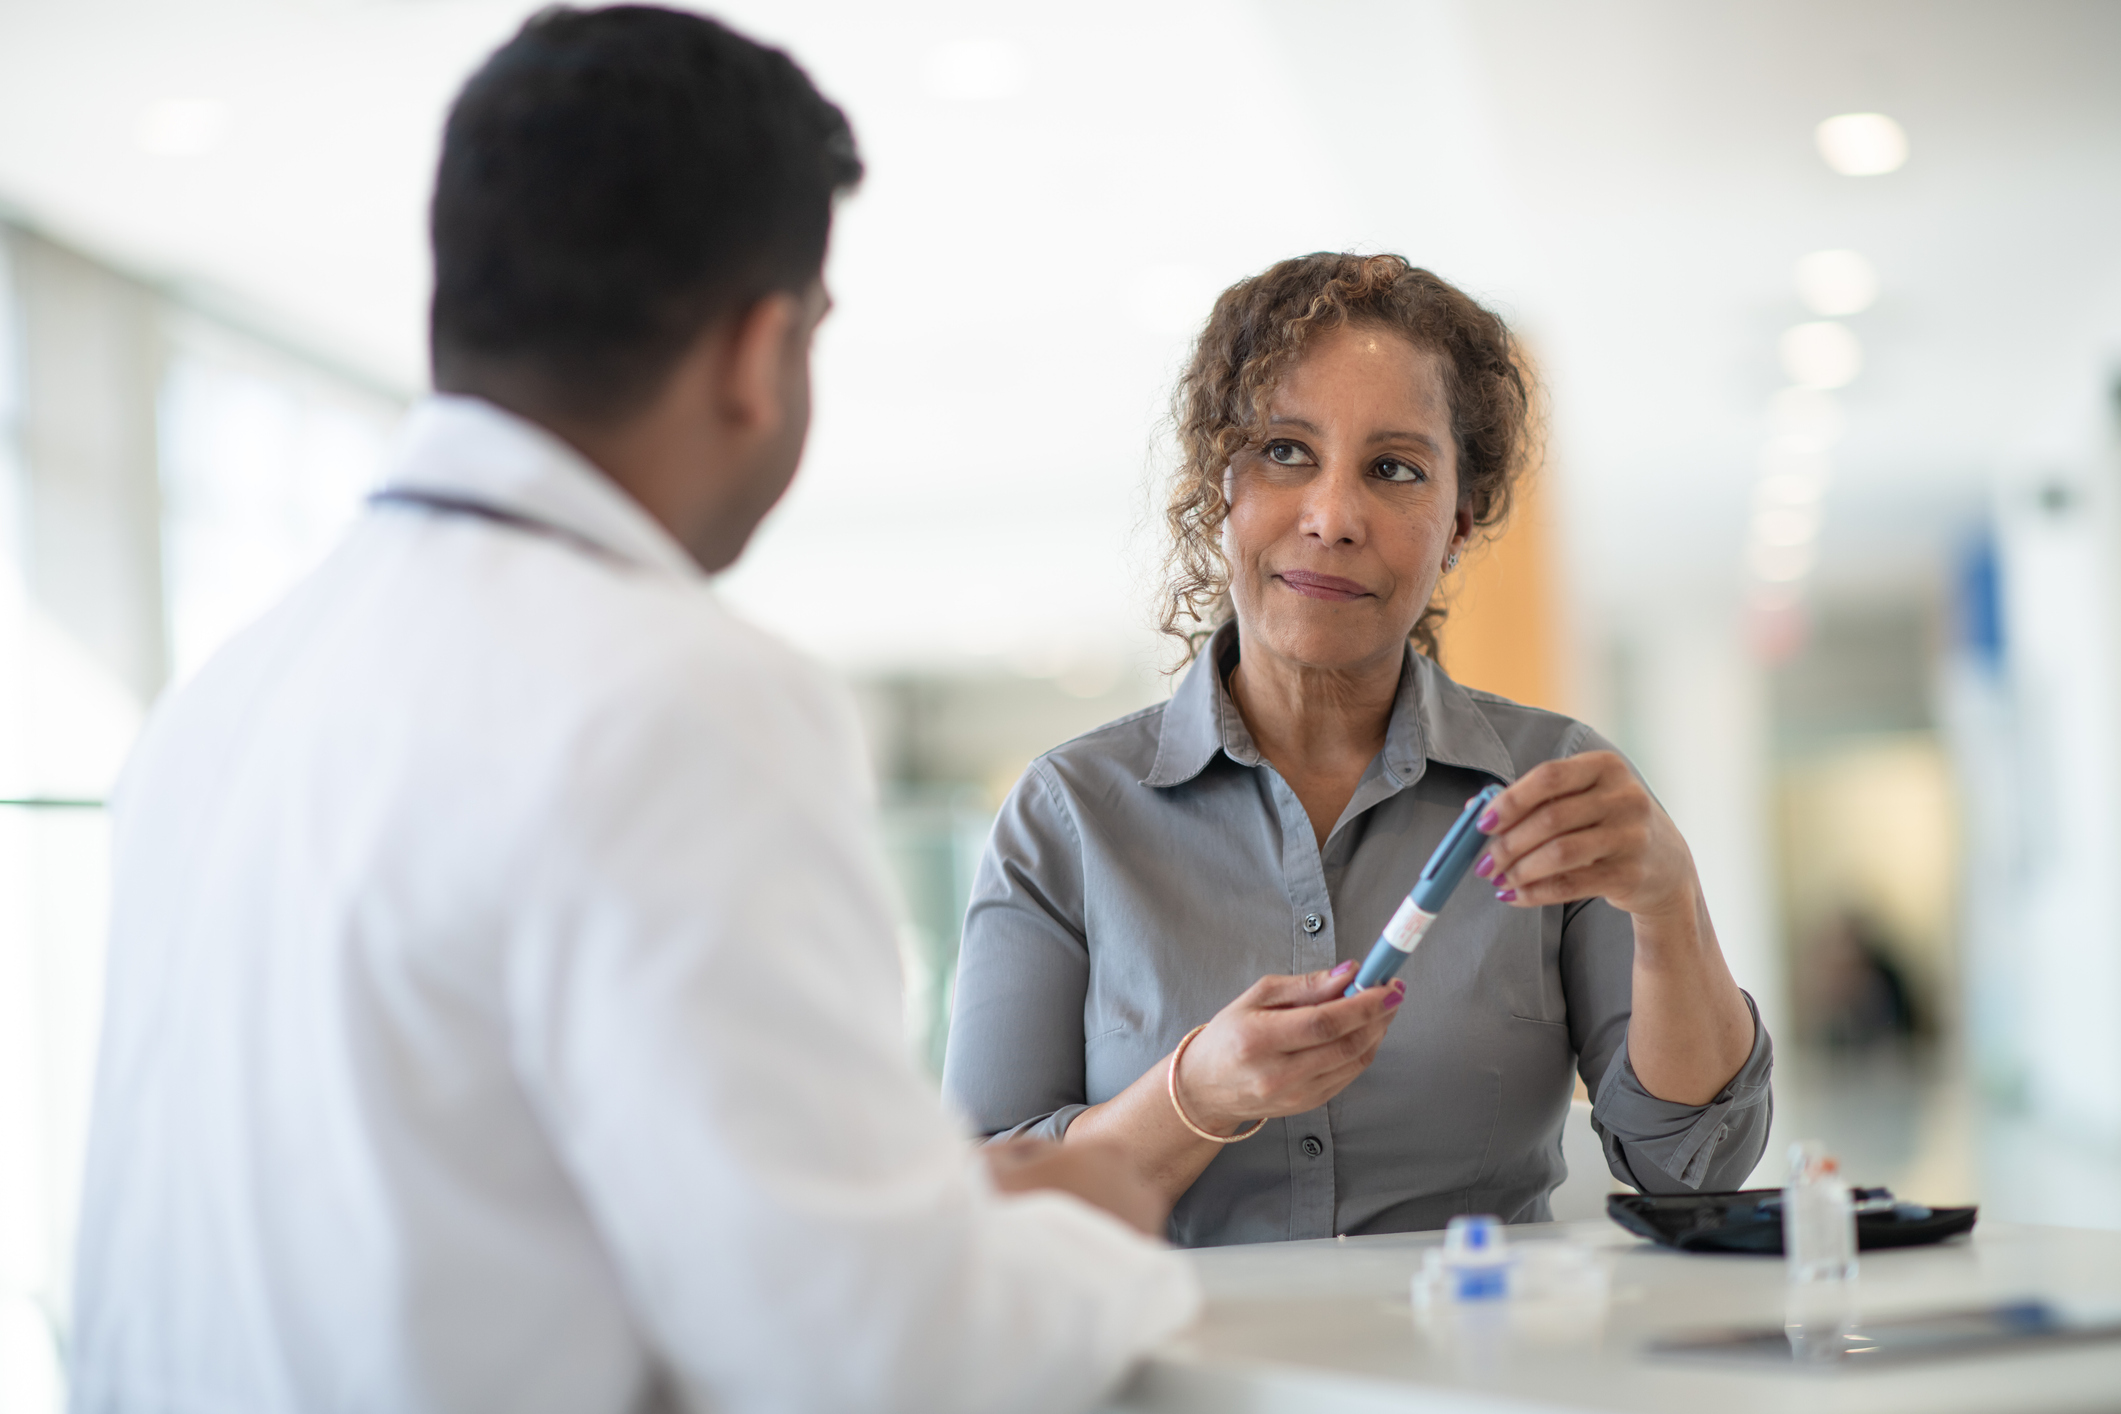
(1454, 856)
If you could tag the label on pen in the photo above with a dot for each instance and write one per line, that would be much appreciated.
(1407, 926)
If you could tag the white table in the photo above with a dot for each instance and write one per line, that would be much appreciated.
(1325, 1327)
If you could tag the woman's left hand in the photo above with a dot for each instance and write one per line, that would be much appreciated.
(1585, 827)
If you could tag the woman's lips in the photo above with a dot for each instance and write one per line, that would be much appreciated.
(1321, 586)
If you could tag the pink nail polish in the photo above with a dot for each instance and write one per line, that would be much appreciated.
(1506, 895)
(1485, 867)
(1487, 822)
(1343, 970)
(1394, 997)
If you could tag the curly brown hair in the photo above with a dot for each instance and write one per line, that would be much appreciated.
(1255, 334)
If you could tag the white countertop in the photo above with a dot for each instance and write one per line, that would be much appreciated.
(1329, 1326)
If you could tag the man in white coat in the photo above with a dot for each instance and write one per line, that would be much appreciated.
(503, 1009)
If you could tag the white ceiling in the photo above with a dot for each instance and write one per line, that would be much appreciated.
(1056, 192)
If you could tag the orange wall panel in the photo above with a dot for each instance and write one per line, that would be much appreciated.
(1504, 632)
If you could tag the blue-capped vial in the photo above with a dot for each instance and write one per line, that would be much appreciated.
(1477, 1257)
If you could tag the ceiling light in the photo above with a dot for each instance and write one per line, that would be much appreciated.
(182, 127)
(975, 71)
(1795, 456)
(1786, 525)
(1836, 282)
(1779, 564)
(1821, 355)
(1809, 415)
(1862, 144)
(1775, 491)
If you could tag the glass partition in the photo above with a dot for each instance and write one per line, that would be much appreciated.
(54, 862)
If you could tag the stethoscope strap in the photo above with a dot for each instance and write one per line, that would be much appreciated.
(442, 503)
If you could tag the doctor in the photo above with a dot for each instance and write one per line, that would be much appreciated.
(503, 1009)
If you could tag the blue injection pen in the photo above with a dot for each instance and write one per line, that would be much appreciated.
(1439, 878)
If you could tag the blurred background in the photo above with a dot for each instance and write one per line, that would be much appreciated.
(1827, 298)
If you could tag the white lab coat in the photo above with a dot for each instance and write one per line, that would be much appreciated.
(503, 1014)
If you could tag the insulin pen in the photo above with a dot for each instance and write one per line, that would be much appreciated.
(1439, 877)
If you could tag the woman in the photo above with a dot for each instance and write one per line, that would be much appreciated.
(1221, 863)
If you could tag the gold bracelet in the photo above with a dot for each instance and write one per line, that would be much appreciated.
(1171, 1084)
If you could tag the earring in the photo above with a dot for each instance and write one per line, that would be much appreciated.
(1452, 563)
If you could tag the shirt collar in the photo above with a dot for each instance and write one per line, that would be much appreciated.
(1433, 719)
(470, 449)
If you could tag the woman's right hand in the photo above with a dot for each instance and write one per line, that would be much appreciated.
(1286, 1045)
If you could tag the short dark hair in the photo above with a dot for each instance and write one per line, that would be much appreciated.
(611, 182)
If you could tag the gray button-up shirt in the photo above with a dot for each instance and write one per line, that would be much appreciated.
(1143, 875)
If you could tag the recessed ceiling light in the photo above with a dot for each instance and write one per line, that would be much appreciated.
(1786, 525)
(975, 70)
(1786, 490)
(1822, 354)
(1807, 415)
(1795, 456)
(1862, 144)
(1836, 282)
(1779, 564)
(182, 127)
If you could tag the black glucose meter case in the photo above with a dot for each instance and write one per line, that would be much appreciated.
(1750, 1220)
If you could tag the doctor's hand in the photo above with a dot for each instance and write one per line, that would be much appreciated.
(1286, 1045)
(1098, 1172)
(1585, 827)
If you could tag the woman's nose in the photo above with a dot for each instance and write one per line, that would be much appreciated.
(1333, 508)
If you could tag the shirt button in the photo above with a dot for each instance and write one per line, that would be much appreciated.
(1312, 1147)
(1312, 923)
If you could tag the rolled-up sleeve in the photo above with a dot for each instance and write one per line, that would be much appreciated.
(1656, 1146)
(1014, 1065)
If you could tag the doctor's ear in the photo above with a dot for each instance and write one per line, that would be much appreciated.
(762, 348)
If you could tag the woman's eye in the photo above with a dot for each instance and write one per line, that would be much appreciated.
(1284, 453)
(1393, 469)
